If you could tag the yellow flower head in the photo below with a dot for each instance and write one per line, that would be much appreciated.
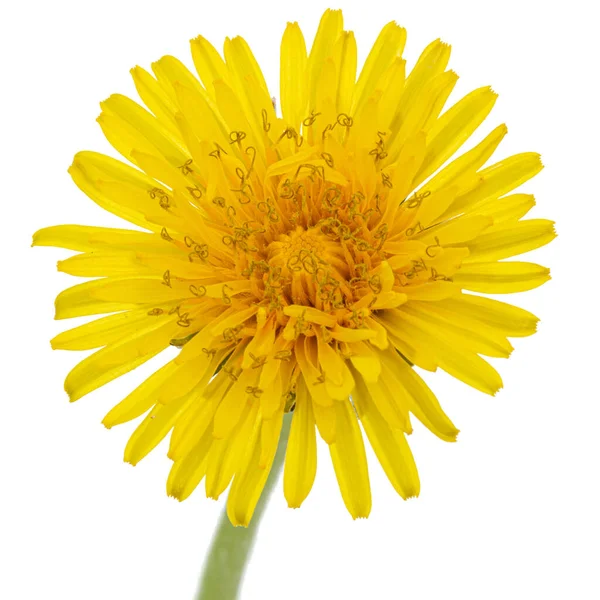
(301, 263)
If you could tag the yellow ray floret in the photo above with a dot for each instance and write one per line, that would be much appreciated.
(310, 263)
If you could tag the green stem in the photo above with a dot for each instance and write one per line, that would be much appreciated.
(231, 546)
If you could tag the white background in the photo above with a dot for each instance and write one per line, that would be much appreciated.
(510, 511)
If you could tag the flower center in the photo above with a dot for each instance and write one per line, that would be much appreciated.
(303, 259)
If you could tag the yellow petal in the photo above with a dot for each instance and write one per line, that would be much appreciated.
(155, 98)
(388, 46)
(344, 54)
(146, 129)
(410, 341)
(453, 128)
(345, 334)
(455, 355)
(511, 320)
(261, 344)
(230, 410)
(462, 169)
(201, 115)
(431, 63)
(392, 403)
(249, 481)
(232, 320)
(392, 92)
(418, 117)
(139, 290)
(153, 429)
(102, 264)
(86, 238)
(469, 368)
(480, 339)
(191, 427)
(226, 455)
(122, 136)
(85, 174)
(232, 110)
(249, 83)
(78, 301)
(380, 339)
(293, 88)
(455, 231)
(170, 70)
(301, 454)
(366, 362)
(501, 277)
(350, 462)
(310, 314)
(389, 300)
(187, 472)
(330, 362)
(499, 179)
(186, 376)
(421, 400)
(241, 60)
(511, 239)
(325, 419)
(338, 379)
(160, 169)
(431, 208)
(508, 208)
(118, 358)
(269, 437)
(290, 164)
(272, 398)
(330, 27)
(327, 91)
(199, 343)
(141, 399)
(208, 63)
(431, 291)
(392, 450)
(100, 332)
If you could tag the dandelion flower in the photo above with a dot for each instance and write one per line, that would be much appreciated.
(307, 263)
